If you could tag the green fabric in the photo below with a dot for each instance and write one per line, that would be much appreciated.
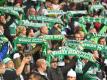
(89, 77)
(86, 45)
(45, 47)
(38, 6)
(83, 20)
(83, 27)
(103, 30)
(79, 66)
(45, 19)
(98, 35)
(3, 38)
(0, 46)
(2, 2)
(94, 37)
(13, 8)
(53, 37)
(30, 24)
(1, 13)
(25, 40)
(68, 51)
(12, 29)
(92, 19)
(9, 11)
(71, 13)
(55, 12)
(96, 7)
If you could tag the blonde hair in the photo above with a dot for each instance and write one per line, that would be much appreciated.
(81, 32)
(19, 30)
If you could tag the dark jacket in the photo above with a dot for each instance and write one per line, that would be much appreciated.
(43, 77)
(10, 75)
(55, 74)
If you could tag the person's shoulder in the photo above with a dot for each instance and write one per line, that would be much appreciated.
(35, 71)
(13, 72)
(10, 75)
(41, 76)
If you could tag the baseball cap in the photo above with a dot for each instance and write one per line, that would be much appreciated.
(6, 60)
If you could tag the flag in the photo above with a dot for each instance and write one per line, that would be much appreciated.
(4, 51)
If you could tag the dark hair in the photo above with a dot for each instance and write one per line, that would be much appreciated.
(101, 39)
(35, 75)
(28, 31)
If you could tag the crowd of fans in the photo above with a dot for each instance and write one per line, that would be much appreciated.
(24, 60)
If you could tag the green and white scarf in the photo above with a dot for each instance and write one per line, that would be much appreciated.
(91, 20)
(18, 9)
(9, 11)
(53, 37)
(86, 45)
(72, 52)
(26, 40)
(55, 12)
(30, 24)
(46, 19)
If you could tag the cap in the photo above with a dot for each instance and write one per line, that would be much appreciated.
(76, 24)
(16, 55)
(6, 60)
(39, 0)
(72, 73)
(33, 0)
(42, 0)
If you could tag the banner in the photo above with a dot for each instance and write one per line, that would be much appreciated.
(98, 35)
(86, 45)
(96, 7)
(46, 19)
(55, 12)
(83, 20)
(12, 12)
(26, 40)
(18, 9)
(30, 24)
(71, 52)
(53, 37)
(76, 1)
(71, 13)
(68, 13)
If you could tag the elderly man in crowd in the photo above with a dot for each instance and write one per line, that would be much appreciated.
(41, 68)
